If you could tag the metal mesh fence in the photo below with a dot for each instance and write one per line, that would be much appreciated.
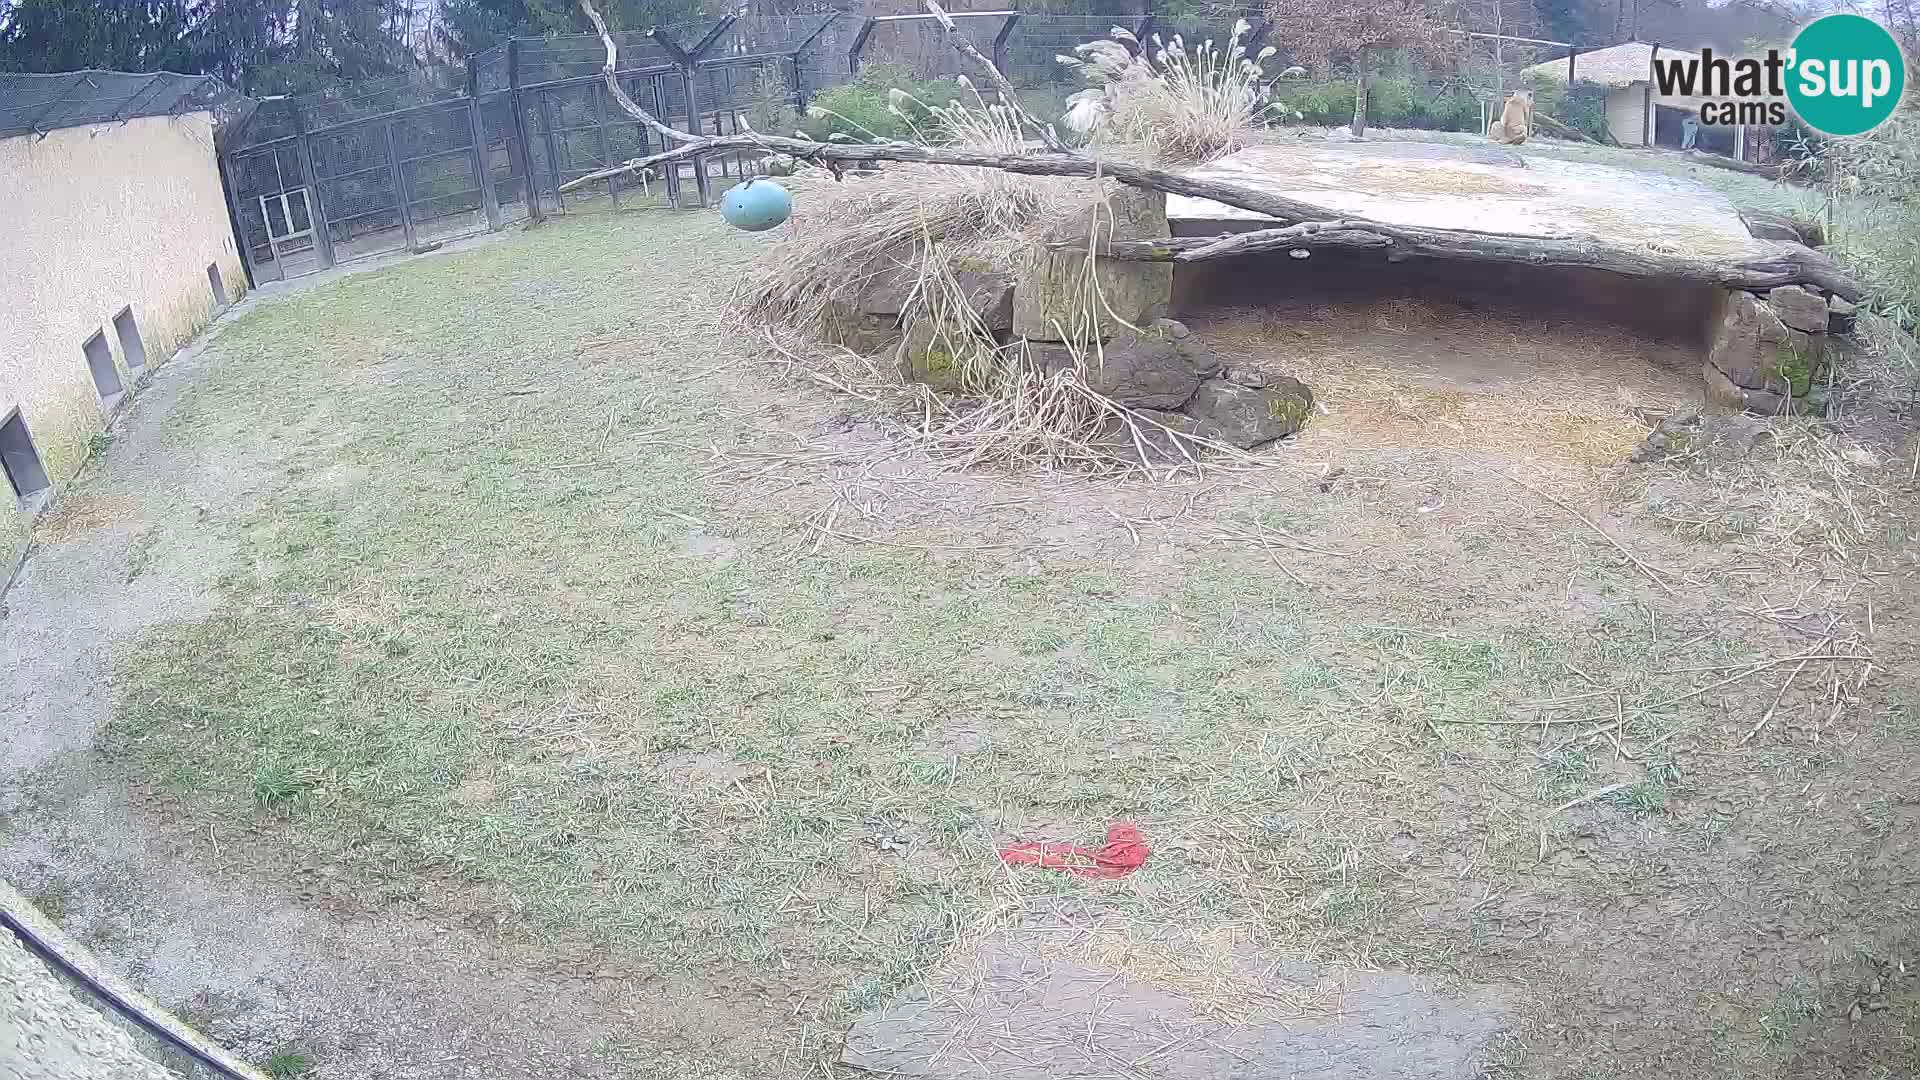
(548, 60)
(921, 46)
(32, 104)
(1037, 39)
(392, 164)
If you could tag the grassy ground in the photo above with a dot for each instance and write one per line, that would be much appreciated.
(565, 613)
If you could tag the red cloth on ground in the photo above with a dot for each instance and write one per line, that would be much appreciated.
(1124, 852)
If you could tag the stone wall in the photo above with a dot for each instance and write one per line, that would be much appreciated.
(1769, 353)
(1045, 314)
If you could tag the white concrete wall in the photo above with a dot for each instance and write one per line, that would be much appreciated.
(97, 219)
(1627, 114)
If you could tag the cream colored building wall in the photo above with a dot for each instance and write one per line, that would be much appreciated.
(1627, 114)
(96, 219)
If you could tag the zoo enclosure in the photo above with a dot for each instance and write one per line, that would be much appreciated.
(405, 164)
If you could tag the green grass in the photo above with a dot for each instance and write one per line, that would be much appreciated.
(287, 1064)
(472, 635)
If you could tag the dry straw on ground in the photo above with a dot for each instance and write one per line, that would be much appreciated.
(929, 223)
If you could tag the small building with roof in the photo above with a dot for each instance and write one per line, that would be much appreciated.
(118, 247)
(1637, 113)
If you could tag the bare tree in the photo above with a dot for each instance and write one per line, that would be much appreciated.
(1501, 20)
(1627, 13)
(1317, 31)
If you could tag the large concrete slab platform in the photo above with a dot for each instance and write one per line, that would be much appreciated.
(1485, 189)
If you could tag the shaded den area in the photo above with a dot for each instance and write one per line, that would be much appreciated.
(1424, 353)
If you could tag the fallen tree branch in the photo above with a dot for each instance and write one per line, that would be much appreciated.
(1700, 157)
(1047, 164)
(1301, 224)
(1653, 573)
(1785, 263)
(1561, 131)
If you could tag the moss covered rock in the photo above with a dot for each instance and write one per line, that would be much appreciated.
(1756, 357)
(1247, 416)
(1049, 297)
(1159, 369)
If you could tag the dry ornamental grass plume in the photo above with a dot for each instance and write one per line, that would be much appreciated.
(1183, 105)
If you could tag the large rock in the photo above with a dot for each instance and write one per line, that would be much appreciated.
(1800, 308)
(1246, 416)
(1048, 297)
(1753, 349)
(1156, 437)
(1157, 370)
(888, 291)
(1802, 358)
(1769, 226)
(1722, 391)
(936, 354)
(990, 295)
(845, 324)
(1842, 315)
(878, 319)
(935, 350)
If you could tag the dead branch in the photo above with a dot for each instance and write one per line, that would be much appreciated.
(1782, 695)
(1047, 164)
(1008, 94)
(1655, 575)
(1698, 157)
(1302, 224)
(1559, 130)
(607, 70)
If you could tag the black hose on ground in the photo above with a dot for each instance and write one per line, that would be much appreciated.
(52, 956)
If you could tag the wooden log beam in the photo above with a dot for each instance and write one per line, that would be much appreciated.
(1561, 131)
(1783, 263)
(1039, 164)
(1716, 161)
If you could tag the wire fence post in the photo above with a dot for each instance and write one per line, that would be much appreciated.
(799, 77)
(689, 72)
(400, 188)
(702, 189)
(224, 162)
(606, 147)
(529, 186)
(477, 132)
(1000, 40)
(316, 206)
(860, 44)
(553, 148)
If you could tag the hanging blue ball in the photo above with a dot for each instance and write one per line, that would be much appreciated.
(756, 205)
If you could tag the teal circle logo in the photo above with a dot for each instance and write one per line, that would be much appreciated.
(1847, 75)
